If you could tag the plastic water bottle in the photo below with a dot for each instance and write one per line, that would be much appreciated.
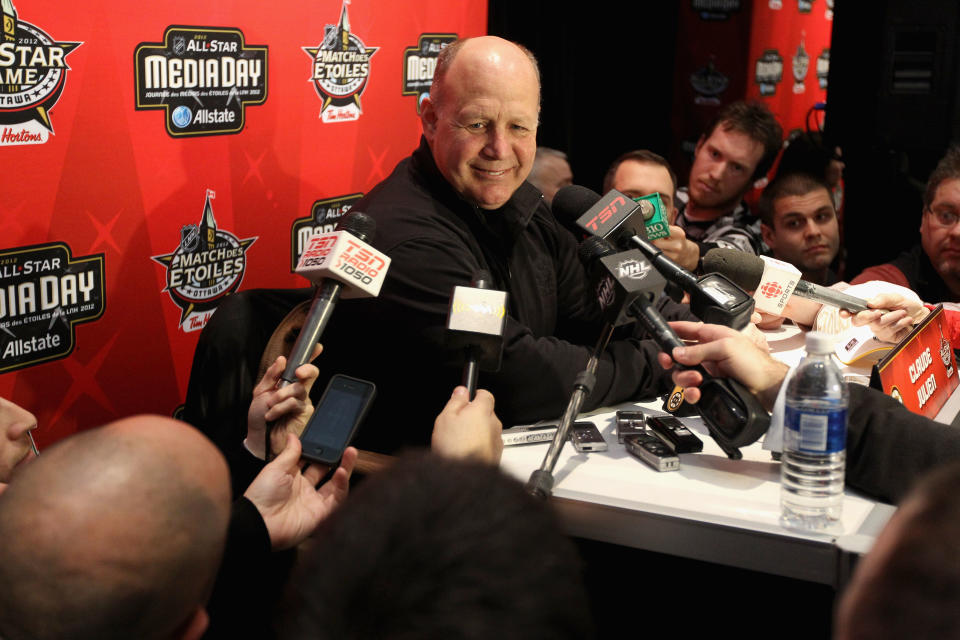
(814, 440)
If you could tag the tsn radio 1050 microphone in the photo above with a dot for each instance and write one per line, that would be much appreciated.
(341, 264)
(475, 325)
(617, 218)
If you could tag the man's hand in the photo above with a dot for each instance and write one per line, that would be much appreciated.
(288, 408)
(724, 353)
(894, 325)
(466, 429)
(287, 499)
(679, 249)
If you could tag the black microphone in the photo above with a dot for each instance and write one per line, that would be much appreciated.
(713, 298)
(748, 271)
(341, 263)
(475, 325)
(734, 417)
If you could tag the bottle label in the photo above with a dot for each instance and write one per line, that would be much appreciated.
(812, 430)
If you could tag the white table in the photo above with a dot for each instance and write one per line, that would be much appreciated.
(712, 509)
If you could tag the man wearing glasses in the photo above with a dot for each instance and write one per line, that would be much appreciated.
(932, 269)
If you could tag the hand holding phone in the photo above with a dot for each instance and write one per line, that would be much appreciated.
(335, 421)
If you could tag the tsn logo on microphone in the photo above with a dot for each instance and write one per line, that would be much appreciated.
(342, 256)
(603, 216)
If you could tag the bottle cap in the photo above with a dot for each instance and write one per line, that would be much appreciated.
(819, 342)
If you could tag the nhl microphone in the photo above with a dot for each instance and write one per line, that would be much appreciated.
(475, 325)
(341, 264)
(617, 218)
(774, 281)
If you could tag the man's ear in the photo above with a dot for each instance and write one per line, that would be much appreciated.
(428, 118)
(768, 235)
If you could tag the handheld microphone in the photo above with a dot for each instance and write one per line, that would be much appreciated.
(342, 264)
(475, 325)
(771, 279)
(713, 298)
(733, 415)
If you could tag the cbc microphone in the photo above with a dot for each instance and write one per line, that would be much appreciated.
(475, 325)
(342, 264)
(774, 281)
(713, 298)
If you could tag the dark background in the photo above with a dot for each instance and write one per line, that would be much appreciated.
(892, 98)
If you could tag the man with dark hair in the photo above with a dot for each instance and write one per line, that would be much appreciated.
(737, 149)
(434, 548)
(641, 173)
(116, 532)
(932, 268)
(908, 586)
(799, 224)
(551, 172)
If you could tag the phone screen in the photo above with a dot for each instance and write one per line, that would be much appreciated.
(335, 419)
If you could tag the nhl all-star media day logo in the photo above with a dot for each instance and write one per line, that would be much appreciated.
(202, 77)
(419, 63)
(323, 218)
(340, 69)
(206, 266)
(44, 293)
(33, 73)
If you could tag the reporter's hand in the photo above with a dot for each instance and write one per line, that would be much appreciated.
(724, 353)
(287, 499)
(679, 249)
(288, 409)
(894, 325)
(466, 429)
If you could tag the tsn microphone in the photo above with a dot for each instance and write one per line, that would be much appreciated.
(341, 264)
(617, 218)
(475, 325)
(774, 281)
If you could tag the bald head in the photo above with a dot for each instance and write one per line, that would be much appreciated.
(114, 532)
(481, 118)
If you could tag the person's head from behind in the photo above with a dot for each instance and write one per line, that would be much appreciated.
(799, 223)
(908, 585)
(641, 173)
(481, 118)
(439, 548)
(738, 148)
(551, 172)
(939, 231)
(15, 446)
(116, 532)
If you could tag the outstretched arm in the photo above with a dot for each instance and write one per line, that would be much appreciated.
(725, 353)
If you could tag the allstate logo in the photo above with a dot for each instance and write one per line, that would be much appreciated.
(771, 289)
(182, 116)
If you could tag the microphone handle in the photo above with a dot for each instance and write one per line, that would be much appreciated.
(471, 370)
(324, 301)
(825, 295)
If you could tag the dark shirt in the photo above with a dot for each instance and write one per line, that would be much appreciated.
(436, 241)
(912, 269)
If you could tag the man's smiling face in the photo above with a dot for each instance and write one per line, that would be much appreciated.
(483, 132)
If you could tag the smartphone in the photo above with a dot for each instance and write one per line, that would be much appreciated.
(334, 422)
(586, 437)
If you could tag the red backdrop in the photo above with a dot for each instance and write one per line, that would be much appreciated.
(103, 196)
